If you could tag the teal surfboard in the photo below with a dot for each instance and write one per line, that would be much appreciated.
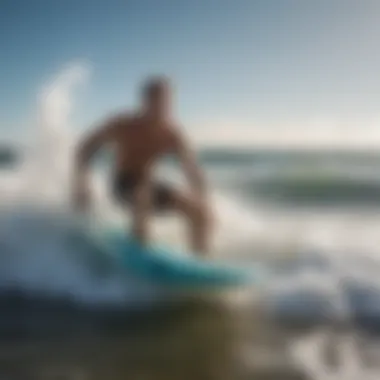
(167, 266)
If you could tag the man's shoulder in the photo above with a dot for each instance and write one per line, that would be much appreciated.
(174, 127)
(119, 117)
(119, 121)
(172, 130)
(176, 135)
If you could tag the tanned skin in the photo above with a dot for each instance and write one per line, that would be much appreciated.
(140, 140)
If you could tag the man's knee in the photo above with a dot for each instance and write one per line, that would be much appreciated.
(201, 214)
(196, 211)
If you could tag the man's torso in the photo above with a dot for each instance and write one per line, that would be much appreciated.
(140, 143)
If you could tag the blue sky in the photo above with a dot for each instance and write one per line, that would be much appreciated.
(278, 65)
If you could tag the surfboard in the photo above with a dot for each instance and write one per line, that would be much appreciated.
(163, 265)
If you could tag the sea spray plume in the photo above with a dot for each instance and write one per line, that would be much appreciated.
(57, 102)
(50, 161)
(39, 252)
(56, 98)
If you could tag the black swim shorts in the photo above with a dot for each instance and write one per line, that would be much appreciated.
(124, 187)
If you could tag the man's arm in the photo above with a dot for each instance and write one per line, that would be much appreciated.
(104, 134)
(191, 168)
(94, 141)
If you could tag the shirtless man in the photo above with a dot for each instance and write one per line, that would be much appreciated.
(140, 140)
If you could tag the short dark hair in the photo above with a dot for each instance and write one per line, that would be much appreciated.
(155, 85)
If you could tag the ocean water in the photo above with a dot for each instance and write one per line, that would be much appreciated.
(312, 218)
(68, 311)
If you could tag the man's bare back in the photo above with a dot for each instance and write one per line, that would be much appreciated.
(139, 142)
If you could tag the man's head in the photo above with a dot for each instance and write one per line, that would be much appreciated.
(156, 96)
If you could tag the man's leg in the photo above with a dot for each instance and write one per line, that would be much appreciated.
(199, 221)
(161, 198)
(134, 195)
(141, 209)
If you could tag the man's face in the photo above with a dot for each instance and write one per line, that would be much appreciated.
(159, 101)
